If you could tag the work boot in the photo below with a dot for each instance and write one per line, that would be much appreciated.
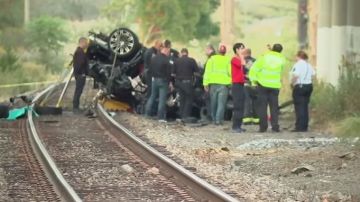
(298, 131)
(247, 121)
(262, 130)
(275, 130)
(255, 121)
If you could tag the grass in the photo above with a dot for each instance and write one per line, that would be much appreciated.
(349, 127)
(26, 72)
(338, 108)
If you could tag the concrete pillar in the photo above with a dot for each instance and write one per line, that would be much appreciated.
(338, 32)
(323, 38)
(353, 20)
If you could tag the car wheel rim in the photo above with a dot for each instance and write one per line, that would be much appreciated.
(121, 42)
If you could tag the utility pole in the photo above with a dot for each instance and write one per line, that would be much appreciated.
(26, 11)
(303, 21)
(227, 21)
(312, 26)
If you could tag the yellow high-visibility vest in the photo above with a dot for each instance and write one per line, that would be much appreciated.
(218, 70)
(267, 70)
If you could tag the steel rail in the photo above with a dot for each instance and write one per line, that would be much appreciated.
(208, 192)
(65, 191)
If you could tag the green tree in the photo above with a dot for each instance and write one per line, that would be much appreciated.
(120, 12)
(11, 13)
(9, 61)
(47, 35)
(68, 9)
(180, 20)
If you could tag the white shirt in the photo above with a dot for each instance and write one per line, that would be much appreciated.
(304, 71)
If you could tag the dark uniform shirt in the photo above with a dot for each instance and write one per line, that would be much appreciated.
(80, 62)
(149, 54)
(184, 68)
(249, 61)
(160, 67)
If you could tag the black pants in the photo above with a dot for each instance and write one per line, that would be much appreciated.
(268, 97)
(207, 106)
(148, 80)
(301, 96)
(238, 96)
(80, 81)
(186, 92)
(250, 102)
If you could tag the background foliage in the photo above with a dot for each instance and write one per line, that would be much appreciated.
(179, 20)
(338, 108)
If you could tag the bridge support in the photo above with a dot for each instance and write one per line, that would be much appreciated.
(338, 35)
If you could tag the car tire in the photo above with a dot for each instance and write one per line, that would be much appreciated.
(124, 43)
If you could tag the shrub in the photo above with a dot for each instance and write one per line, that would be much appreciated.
(47, 36)
(340, 104)
(9, 61)
(349, 127)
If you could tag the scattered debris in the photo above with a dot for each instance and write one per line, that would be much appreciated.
(335, 196)
(112, 114)
(127, 168)
(225, 149)
(302, 169)
(239, 162)
(348, 156)
(277, 143)
(253, 154)
(153, 171)
(308, 175)
(343, 165)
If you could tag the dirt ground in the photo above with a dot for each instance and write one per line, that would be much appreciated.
(262, 167)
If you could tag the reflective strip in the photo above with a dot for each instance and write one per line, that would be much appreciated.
(219, 72)
(272, 72)
(270, 81)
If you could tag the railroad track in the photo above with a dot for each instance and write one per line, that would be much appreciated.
(101, 160)
(24, 176)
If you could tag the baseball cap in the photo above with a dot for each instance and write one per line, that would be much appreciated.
(222, 49)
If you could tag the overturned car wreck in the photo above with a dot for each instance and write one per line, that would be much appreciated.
(116, 64)
(116, 61)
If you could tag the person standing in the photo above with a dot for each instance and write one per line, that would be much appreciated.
(301, 81)
(148, 55)
(184, 71)
(237, 88)
(217, 79)
(266, 75)
(160, 69)
(250, 114)
(209, 51)
(81, 69)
